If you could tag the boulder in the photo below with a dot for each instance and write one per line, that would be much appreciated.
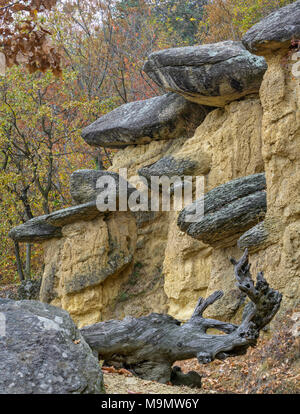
(213, 75)
(35, 230)
(83, 184)
(160, 118)
(275, 31)
(229, 210)
(42, 352)
(253, 238)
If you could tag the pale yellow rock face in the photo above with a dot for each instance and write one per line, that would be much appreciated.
(142, 291)
(225, 146)
(186, 268)
(280, 97)
(231, 138)
(79, 264)
(138, 156)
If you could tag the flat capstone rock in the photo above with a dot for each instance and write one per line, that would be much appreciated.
(83, 184)
(35, 230)
(42, 352)
(214, 74)
(163, 117)
(274, 32)
(229, 210)
(69, 215)
(253, 238)
(168, 166)
(49, 226)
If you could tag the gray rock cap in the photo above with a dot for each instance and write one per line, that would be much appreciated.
(214, 74)
(274, 31)
(83, 184)
(35, 230)
(253, 238)
(164, 117)
(229, 210)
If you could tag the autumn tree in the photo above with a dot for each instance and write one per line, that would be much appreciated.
(180, 19)
(24, 37)
(40, 144)
(230, 19)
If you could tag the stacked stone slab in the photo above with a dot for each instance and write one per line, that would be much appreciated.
(214, 120)
(214, 74)
(164, 117)
(229, 210)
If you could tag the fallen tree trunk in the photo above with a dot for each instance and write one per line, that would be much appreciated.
(149, 345)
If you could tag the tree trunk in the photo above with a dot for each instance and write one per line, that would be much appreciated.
(148, 346)
(28, 261)
(19, 261)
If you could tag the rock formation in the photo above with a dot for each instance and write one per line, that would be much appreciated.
(214, 74)
(163, 117)
(42, 352)
(275, 32)
(231, 117)
(229, 210)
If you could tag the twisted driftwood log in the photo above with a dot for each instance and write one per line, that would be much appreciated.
(148, 346)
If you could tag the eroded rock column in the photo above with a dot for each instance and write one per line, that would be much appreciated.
(278, 254)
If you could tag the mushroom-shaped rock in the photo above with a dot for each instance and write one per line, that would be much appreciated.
(84, 188)
(214, 74)
(229, 210)
(42, 352)
(171, 166)
(253, 238)
(160, 118)
(35, 230)
(275, 31)
(49, 226)
(84, 191)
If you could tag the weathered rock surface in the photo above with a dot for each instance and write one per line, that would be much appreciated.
(229, 140)
(280, 98)
(83, 184)
(228, 210)
(86, 212)
(35, 230)
(170, 166)
(29, 289)
(49, 226)
(253, 237)
(160, 118)
(90, 255)
(213, 75)
(42, 352)
(275, 31)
